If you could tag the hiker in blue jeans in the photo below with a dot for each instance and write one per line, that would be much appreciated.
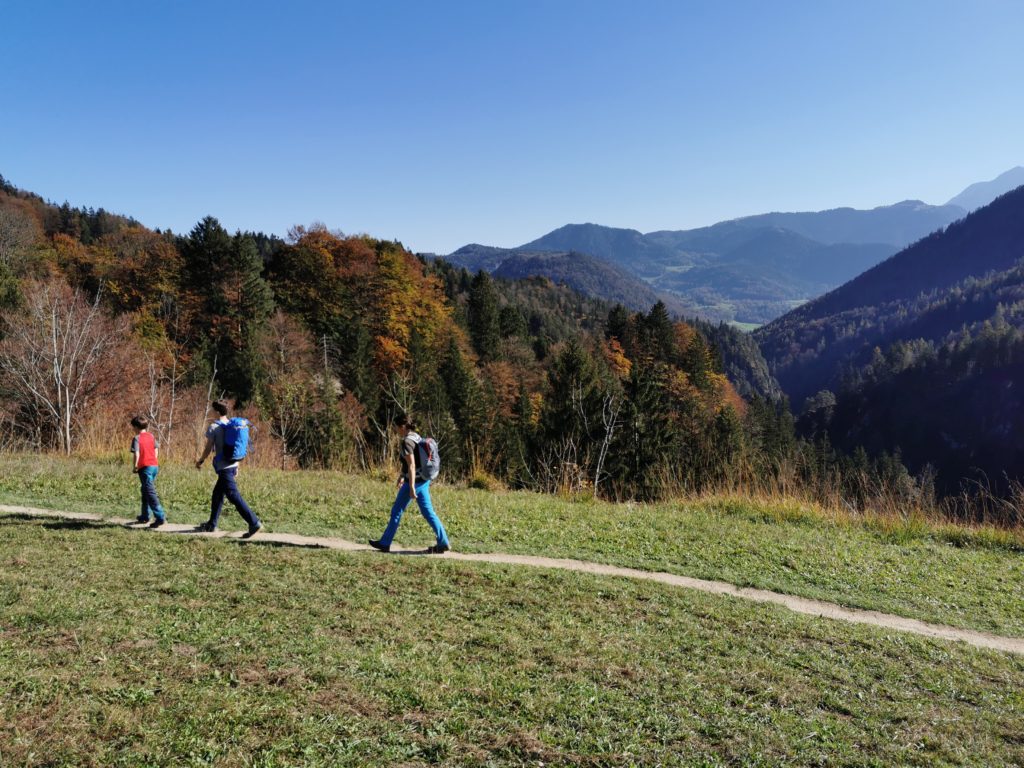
(144, 462)
(227, 471)
(411, 485)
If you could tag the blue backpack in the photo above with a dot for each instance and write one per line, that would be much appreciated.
(236, 438)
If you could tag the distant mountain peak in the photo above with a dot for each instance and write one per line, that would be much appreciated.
(984, 192)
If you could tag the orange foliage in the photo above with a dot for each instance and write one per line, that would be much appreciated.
(504, 380)
(73, 259)
(139, 268)
(380, 284)
(388, 354)
(685, 334)
(616, 357)
(727, 396)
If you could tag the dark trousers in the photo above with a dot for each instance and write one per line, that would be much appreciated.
(227, 487)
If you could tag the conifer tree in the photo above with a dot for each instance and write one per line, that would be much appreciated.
(234, 302)
(466, 403)
(642, 455)
(484, 327)
(659, 333)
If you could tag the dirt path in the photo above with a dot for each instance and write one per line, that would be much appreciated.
(798, 604)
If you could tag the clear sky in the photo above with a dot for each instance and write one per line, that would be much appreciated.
(441, 123)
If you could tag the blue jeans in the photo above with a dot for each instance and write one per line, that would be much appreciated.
(226, 486)
(150, 501)
(423, 500)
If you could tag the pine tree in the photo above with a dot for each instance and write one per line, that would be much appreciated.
(641, 456)
(660, 334)
(466, 403)
(250, 305)
(573, 405)
(484, 327)
(512, 322)
(233, 303)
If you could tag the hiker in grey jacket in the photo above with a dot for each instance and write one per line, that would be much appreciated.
(411, 485)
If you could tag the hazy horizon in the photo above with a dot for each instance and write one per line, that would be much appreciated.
(458, 123)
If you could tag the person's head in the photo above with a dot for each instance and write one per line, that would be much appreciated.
(140, 423)
(221, 407)
(403, 423)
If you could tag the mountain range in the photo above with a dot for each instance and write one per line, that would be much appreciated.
(920, 293)
(922, 354)
(747, 270)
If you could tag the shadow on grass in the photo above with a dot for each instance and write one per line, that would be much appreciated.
(275, 544)
(16, 518)
(316, 545)
(13, 518)
(80, 525)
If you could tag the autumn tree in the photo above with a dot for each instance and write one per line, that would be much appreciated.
(60, 355)
(141, 270)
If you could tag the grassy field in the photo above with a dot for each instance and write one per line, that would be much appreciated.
(973, 579)
(134, 649)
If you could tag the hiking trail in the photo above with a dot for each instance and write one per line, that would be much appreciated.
(802, 605)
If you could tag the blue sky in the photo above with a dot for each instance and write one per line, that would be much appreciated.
(443, 123)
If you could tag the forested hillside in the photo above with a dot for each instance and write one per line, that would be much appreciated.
(587, 274)
(750, 269)
(324, 337)
(920, 355)
(914, 294)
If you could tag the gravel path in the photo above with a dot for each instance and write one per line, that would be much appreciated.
(798, 604)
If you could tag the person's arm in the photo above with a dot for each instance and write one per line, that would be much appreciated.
(410, 463)
(136, 455)
(206, 451)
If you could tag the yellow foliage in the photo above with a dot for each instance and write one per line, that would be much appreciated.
(616, 357)
(536, 408)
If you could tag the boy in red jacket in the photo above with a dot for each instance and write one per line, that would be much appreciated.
(144, 452)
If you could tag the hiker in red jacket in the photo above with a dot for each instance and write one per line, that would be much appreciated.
(145, 464)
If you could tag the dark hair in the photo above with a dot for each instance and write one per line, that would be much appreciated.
(221, 407)
(140, 422)
(404, 420)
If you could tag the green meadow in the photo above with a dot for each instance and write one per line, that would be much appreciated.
(944, 574)
(128, 648)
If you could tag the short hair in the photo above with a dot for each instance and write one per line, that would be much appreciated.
(221, 407)
(404, 420)
(140, 422)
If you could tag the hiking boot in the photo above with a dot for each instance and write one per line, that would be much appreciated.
(253, 530)
(438, 549)
(158, 522)
(375, 543)
(206, 528)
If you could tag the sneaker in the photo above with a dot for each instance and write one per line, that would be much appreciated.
(206, 528)
(375, 543)
(253, 530)
(157, 523)
(141, 519)
(438, 549)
